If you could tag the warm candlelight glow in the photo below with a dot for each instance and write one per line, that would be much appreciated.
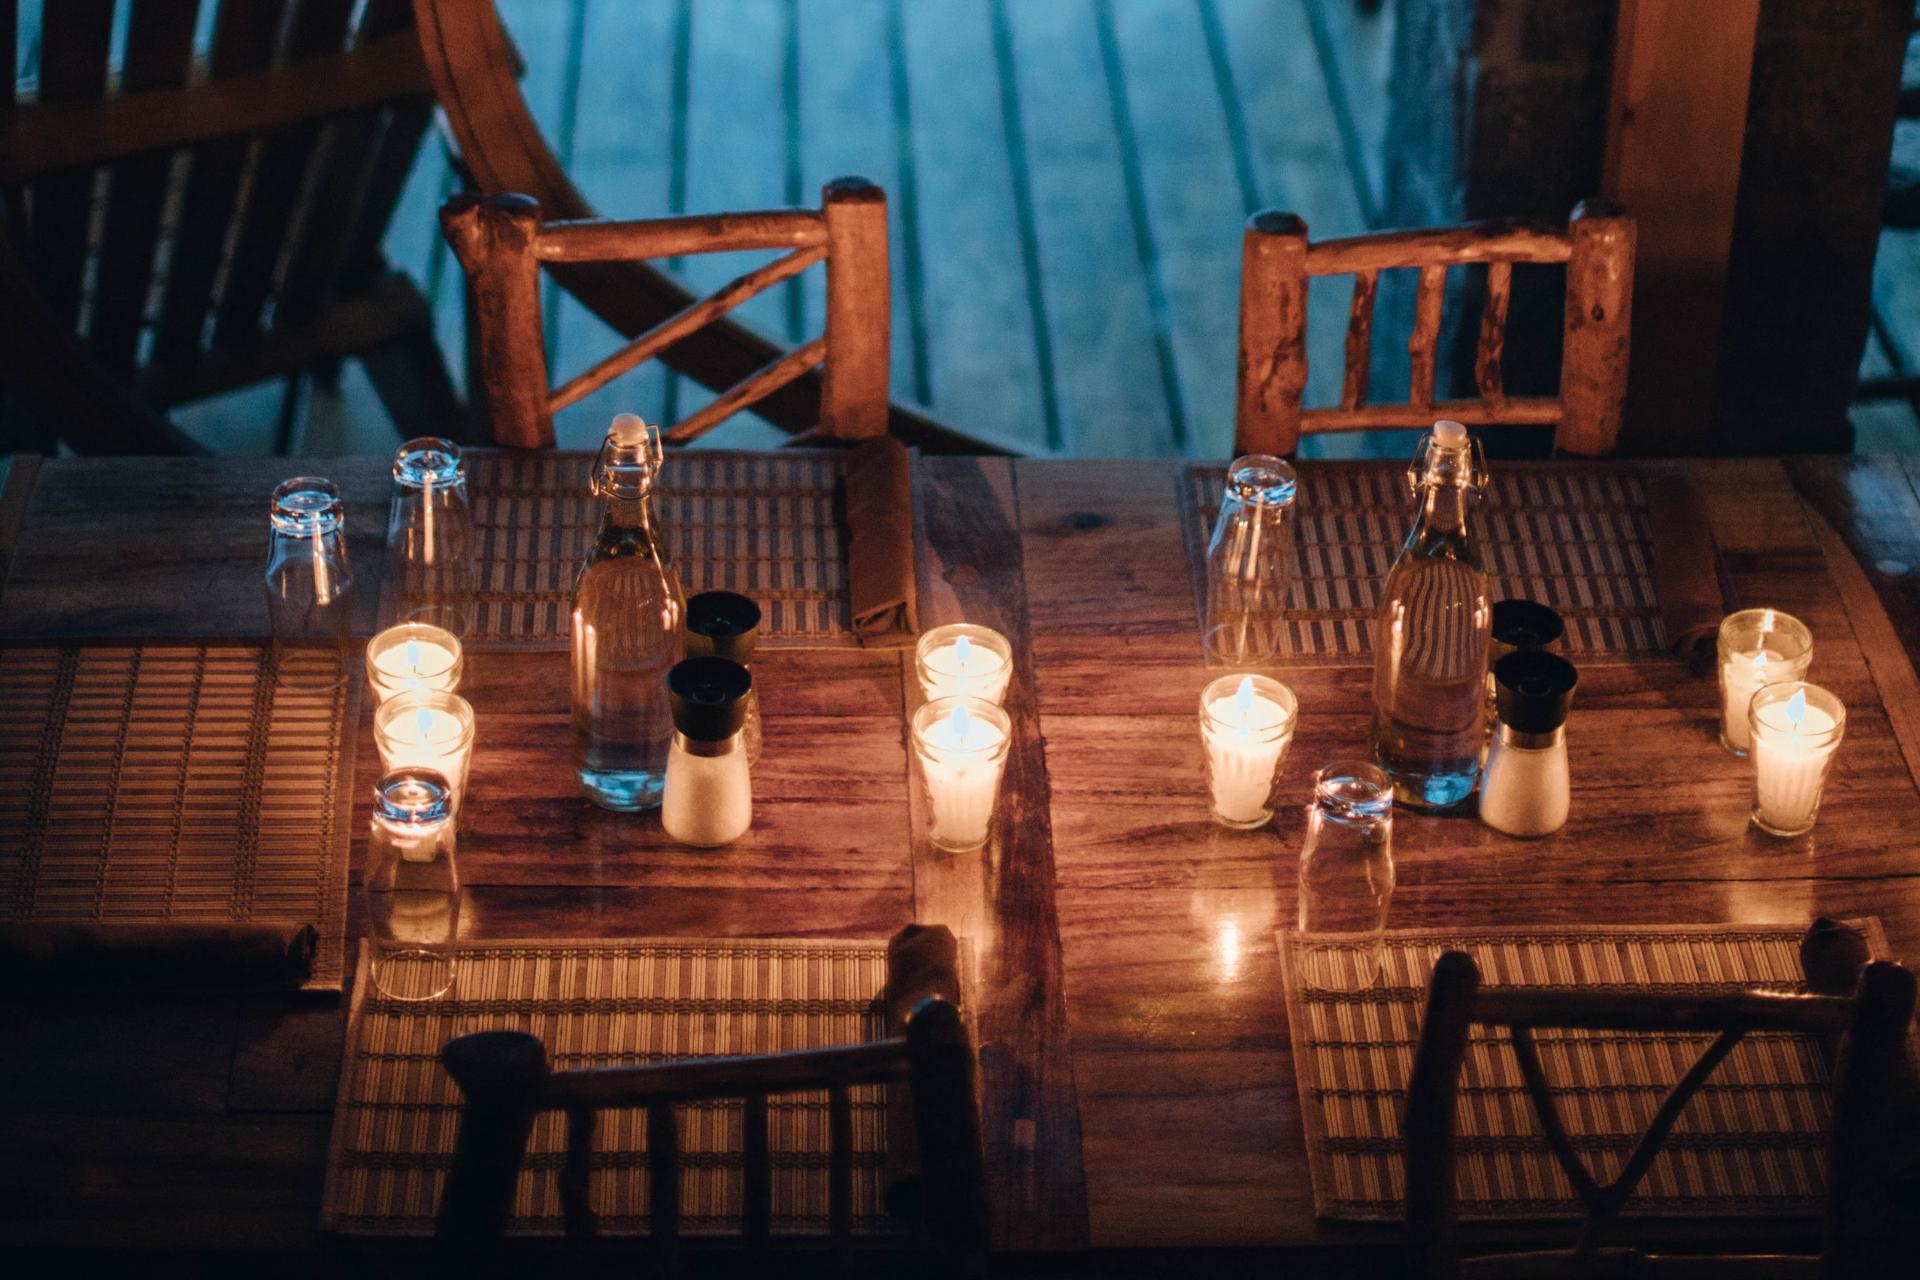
(1246, 733)
(964, 661)
(429, 729)
(961, 744)
(413, 656)
(1795, 731)
(1758, 647)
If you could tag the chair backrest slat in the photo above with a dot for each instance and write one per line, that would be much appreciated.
(576, 1172)
(840, 1167)
(663, 1185)
(73, 68)
(756, 1190)
(159, 56)
(1277, 261)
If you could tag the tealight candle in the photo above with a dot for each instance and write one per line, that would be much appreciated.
(1795, 728)
(1246, 724)
(961, 744)
(1758, 647)
(413, 656)
(429, 729)
(964, 661)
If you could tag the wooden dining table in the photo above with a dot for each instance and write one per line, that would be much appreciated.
(1124, 989)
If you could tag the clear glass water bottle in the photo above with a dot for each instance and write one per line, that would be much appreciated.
(1346, 877)
(309, 584)
(1250, 562)
(413, 885)
(432, 564)
(628, 615)
(1430, 635)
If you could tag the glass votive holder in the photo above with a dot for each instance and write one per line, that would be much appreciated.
(413, 886)
(961, 744)
(1758, 647)
(1246, 725)
(413, 655)
(1795, 729)
(429, 729)
(961, 660)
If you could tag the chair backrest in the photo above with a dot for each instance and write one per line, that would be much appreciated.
(1875, 1022)
(502, 243)
(1276, 262)
(505, 1078)
(178, 210)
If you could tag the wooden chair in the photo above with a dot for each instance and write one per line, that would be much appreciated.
(1859, 1238)
(502, 243)
(505, 1078)
(1276, 262)
(202, 228)
(501, 149)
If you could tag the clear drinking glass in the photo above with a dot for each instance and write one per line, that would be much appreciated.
(433, 557)
(1346, 877)
(629, 613)
(1250, 562)
(413, 886)
(309, 584)
(1757, 647)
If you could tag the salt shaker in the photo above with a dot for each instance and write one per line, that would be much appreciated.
(709, 796)
(1525, 789)
(1518, 625)
(725, 624)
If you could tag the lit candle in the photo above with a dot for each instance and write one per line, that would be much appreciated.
(412, 656)
(428, 729)
(962, 746)
(1796, 728)
(964, 661)
(1246, 724)
(1758, 647)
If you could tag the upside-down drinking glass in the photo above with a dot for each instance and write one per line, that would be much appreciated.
(413, 885)
(1250, 562)
(432, 565)
(309, 584)
(1346, 877)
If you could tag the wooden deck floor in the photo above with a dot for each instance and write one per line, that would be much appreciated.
(1066, 178)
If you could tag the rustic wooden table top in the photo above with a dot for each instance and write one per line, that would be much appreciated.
(1137, 1084)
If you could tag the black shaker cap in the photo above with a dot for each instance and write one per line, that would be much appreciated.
(1526, 624)
(709, 697)
(1534, 690)
(723, 624)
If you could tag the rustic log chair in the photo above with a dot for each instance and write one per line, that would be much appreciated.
(500, 150)
(203, 228)
(502, 242)
(1276, 262)
(506, 1080)
(1859, 1239)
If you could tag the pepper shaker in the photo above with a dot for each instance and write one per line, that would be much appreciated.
(1526, 786)
(725, 624)
(709, 795)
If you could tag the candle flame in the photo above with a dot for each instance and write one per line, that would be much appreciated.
(961, 647)
(1243, 701)
(423, 720)
(1760, 660)
(1797, 708)
(413, 655)
(961, 721)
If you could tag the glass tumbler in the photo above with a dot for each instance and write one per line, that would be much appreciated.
(309, 584)
(1758, 647)
(1346, 877)
(413, 886)
(432, 559)
(1250, 562)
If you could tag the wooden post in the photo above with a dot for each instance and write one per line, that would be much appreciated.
(948, 1122)
(1871, 1150)
(1593, 366)
(1272, 374)
(502, 1074)
(1676, 127)
(853, 389)
(493, 237)
(1432, 1088)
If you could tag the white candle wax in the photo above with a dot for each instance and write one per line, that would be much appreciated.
(962, 756)
(1792, 746)
(1741, 676)
(965, 668)
(1246, 735)
(412, 656)
(427, 736)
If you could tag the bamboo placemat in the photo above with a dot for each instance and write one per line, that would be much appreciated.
(606, 1004)
(175, 783)
(1749, 1144)
(1578, 541)
(765, 525)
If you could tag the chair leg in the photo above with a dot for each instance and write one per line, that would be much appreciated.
(293, 407)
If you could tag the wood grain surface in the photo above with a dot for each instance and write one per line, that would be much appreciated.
(1125, 991)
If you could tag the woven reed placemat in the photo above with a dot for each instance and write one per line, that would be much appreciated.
(1749, 1144)
(155, 783)
(765, 525)
(1578, 541)
(607, 1003)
